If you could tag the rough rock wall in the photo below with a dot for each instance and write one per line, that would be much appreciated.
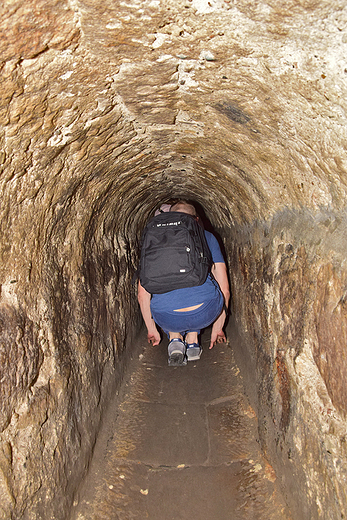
(289, 280)
(107, 109)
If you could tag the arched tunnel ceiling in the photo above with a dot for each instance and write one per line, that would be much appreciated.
(111, 107)
(108, 108)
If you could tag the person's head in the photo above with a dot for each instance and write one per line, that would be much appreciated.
(184, 207)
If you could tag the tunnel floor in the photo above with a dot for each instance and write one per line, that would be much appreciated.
(180, 443)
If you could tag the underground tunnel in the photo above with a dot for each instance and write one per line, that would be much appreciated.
(109, 109)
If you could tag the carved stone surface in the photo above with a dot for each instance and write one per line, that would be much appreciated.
(288, 302)
(108, 108)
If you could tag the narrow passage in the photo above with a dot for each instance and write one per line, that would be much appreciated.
(180, 444)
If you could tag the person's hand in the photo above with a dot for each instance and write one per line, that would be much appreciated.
(153, 337)
(217, 337)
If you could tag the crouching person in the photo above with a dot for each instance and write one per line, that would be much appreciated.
(182, 302)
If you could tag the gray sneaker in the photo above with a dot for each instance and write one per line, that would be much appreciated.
(177, 353)
(193, 351)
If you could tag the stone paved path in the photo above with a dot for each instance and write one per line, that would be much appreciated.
(181, 443)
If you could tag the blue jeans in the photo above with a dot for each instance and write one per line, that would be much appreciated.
(190, 321)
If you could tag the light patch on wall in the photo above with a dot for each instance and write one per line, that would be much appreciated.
(159, 40)
(8, 292)
(114, 25)
(208, 6)
(66, 75)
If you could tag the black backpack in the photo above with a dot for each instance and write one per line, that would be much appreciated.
(174, 253)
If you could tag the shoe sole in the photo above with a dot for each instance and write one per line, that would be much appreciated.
(177, 359)
(194, 354)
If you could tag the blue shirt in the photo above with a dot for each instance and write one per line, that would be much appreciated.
(190, 296)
